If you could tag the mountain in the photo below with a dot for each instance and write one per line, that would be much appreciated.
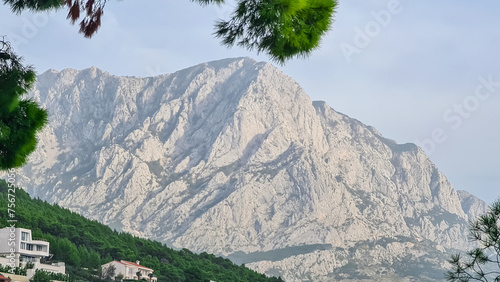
(232, 157)
(84, 245)
(472, 205)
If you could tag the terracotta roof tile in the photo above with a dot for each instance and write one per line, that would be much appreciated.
(134, 264)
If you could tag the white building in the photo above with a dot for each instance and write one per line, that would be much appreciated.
(129, 270)
(17, 247)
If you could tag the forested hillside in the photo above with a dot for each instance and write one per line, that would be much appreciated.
(85, 244)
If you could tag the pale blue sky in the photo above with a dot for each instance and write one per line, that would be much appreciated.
(413, 77)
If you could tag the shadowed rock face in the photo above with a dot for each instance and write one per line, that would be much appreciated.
(472, 205)
(232, 157)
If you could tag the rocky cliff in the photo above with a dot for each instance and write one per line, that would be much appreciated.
(472, 205)
(232, 157)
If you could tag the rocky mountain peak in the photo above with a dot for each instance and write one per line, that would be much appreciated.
(232, 157)
(472, 205)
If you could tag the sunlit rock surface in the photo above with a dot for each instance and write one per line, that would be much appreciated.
(232, 157)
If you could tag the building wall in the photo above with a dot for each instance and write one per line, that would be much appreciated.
(15, 278)
(6, 261)
(11, 260)
(128, 271)
(10, 247)
(145, 273)
(6, 245)
(119, 268)
(59, 267)
(12, 239)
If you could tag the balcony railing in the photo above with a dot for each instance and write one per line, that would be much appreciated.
(39, 239)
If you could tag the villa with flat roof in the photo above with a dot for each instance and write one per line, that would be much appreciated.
(17, 247)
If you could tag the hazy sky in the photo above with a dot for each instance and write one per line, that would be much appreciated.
(426, 72)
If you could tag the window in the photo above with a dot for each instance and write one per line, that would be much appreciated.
(27, 259)
(24, 236)
(130, 271)
(39, 248)
(23, 246)
(29, 247)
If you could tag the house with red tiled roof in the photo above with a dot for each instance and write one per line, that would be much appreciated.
(129, 270)
(3, 278)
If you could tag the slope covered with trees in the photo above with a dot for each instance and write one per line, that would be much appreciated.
(84, 244)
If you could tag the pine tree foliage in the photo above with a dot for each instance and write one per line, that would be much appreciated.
(206, 2)
(483, 262)
(45, 276)
(85, 245)
(20, 119)
(281, 28)
(18, 6)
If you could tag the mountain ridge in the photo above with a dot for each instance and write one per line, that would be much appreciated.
(83, 252)
(233, 157)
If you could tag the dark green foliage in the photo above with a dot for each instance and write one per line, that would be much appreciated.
(482, 263)
(18, 6)
(20, 119)
(44, 276)
(18, 270)
(82, 243)
(281, 28)
(206, 2)
(109, 272)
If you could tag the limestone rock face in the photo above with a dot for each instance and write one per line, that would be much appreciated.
(472, 205)
(232, 157)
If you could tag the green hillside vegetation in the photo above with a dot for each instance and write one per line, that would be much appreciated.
(84, 245)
